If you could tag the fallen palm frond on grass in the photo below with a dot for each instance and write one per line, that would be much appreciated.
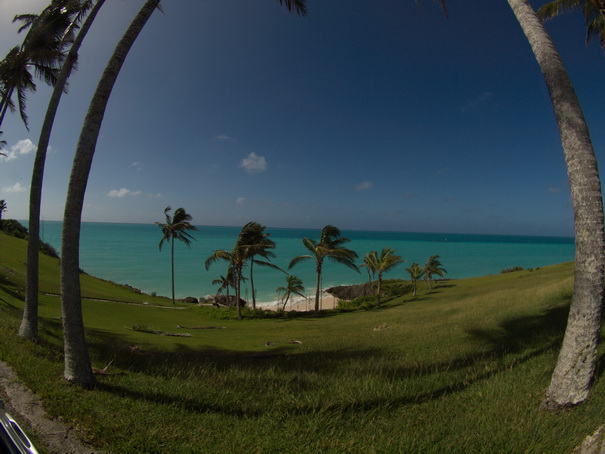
(146, 329)
(201, 327)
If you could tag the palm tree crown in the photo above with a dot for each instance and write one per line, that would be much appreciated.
(594, 14)
(43, 49)
(330, 246)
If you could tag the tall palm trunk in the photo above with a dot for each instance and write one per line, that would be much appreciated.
(238, 281)
(172, 263)
(317, 286)
(379, 289)
(252, 283)
(576, 365)
(77, 361)
(29, 322)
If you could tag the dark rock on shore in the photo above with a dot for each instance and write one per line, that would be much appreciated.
(350, 292)
(222, 300)
(190, 299)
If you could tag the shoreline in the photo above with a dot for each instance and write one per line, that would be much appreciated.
(300, 304)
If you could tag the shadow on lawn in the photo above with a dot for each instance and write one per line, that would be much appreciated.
(513, 343)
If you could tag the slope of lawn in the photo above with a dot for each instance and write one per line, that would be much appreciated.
(461, 368)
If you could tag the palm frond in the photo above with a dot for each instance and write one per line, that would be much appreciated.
(298, 259)
(298, 6)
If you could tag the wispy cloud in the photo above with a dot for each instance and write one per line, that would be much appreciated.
(364, 186)
(122, 192)
(254, 163)
(137, 165)
(240, 200)
(15, 188)
(222, 137)
(156, 196)
(21, 148)
(478, 102)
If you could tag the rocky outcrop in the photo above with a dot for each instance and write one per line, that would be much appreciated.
(190, 299)
(350, 292)
(222, 300)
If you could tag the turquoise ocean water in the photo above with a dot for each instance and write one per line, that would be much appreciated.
(129, 254)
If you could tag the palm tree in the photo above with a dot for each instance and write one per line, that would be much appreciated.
(330, 246)
(29, 322)
(594, 14)
(257, 242)
(176, 228)
(386, 261)
(3, 208)
(77, 362)
(433, 266)
(576, 366)
(294, 285)
(416, 272)
(43, 49)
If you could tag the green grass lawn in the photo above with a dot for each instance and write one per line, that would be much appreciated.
(459, 369)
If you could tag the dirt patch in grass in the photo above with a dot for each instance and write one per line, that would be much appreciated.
(25, 406)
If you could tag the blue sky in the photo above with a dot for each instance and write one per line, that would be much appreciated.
(364, 115)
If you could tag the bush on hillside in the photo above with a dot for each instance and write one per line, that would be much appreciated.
(15, 228)
(512, 269)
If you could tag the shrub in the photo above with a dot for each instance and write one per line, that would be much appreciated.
(512, 269)
(15, 228)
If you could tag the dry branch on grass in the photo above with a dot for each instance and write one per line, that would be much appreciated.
(145, 329)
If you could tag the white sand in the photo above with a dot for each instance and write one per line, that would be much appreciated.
(326, 301)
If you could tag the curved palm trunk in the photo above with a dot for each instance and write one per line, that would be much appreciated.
(77, 361)
(286, 301)
(29, 322)
(379, 289)
(576, 365)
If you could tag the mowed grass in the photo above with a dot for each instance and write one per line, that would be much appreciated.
(461, 368)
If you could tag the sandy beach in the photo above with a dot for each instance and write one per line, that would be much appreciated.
(327, 301)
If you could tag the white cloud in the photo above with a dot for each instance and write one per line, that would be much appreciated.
(23, 147)
(156, 196)
(14, 188)
(240, 200)
(136, 165)
(364, 186)
(119, 193)
(254, 163)
(222, 137)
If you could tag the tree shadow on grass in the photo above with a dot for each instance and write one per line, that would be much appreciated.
(514, 342)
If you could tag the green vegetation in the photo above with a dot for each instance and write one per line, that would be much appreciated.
(461, 368)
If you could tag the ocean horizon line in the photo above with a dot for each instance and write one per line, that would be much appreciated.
(318, 229)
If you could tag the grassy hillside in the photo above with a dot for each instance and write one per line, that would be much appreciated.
(459, 369)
